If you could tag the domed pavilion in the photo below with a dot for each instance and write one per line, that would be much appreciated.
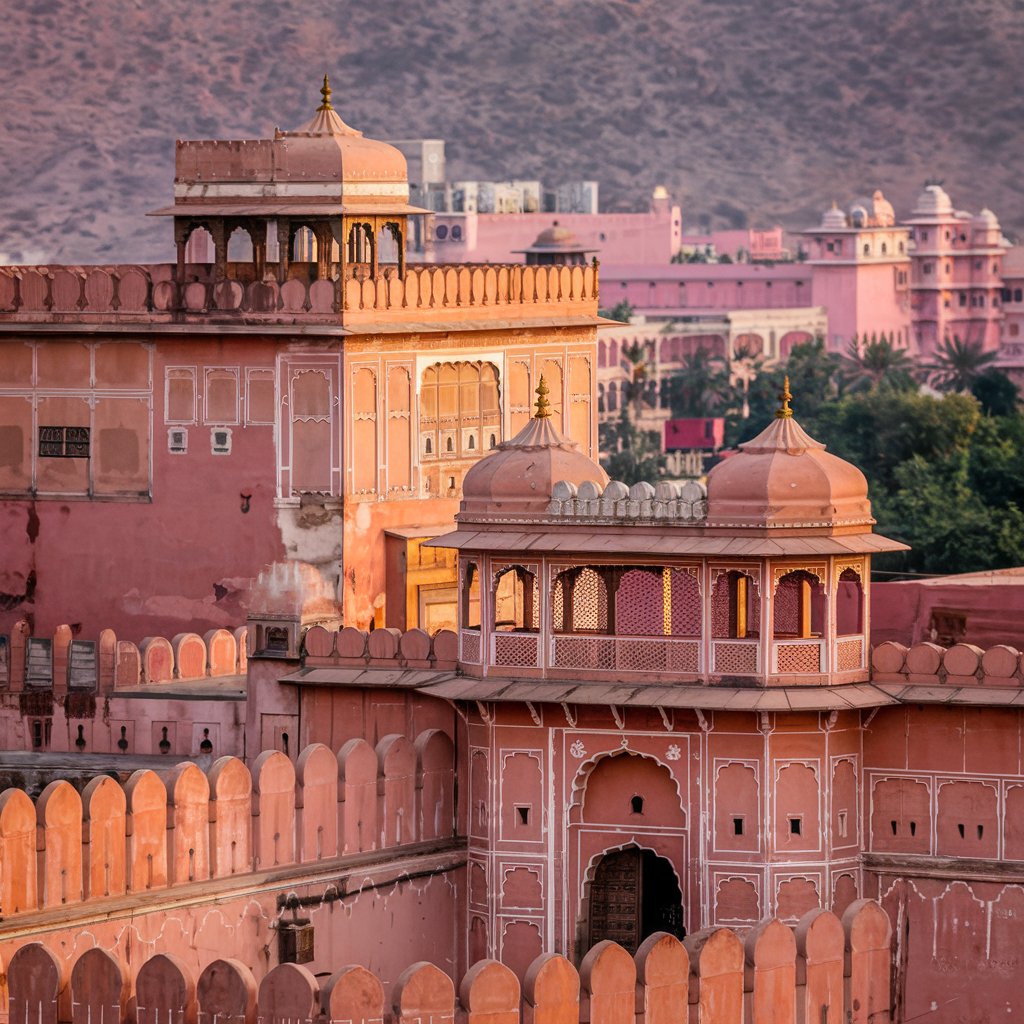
(556, 245)
(761, 578)
(312, 203)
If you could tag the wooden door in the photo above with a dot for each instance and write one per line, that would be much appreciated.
(615, 903)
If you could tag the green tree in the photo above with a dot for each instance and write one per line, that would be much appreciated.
(700, 387)
(877, 364)
(957, 364)
(620, 311)
(628, 453)
(997, 394)
(635, 388)
(813, 374)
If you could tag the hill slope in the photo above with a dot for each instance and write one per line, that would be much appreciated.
(766, 107)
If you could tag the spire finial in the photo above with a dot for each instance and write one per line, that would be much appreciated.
(325, 92)
(784, 412)
(543, 405)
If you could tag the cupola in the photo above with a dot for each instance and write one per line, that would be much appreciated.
(785, 478)
(518, 477)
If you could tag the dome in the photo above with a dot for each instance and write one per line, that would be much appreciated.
(933, 200)
(518, 477)
(556, 237)
(833, 218)
(784, 478)
(322, 169)
(660, 192)
(986, 219)
(327, 149)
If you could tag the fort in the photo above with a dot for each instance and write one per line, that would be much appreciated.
(639, 759)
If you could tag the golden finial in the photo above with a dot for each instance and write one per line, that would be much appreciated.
(784, 412)
(543, 405)
(325, 91)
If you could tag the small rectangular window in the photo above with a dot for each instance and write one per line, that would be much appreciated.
(177, 440)
(795, 826)
(220, 441)
(64, 442)
(522, 814)
(737, 826)
(841, 817)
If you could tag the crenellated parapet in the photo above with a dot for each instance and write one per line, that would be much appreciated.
(184, 826)
(381, 648)
(839, 969)
(63, 664)
(927, 664)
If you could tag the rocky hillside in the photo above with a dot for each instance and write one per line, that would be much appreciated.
(759, 109)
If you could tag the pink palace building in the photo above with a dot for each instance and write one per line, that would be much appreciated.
(659, 725)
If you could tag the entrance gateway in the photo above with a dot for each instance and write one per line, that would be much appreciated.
(634, 894)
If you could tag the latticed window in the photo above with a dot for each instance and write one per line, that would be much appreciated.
(627, 600)
(686, 610)
(799, 607)
(516, 600)
(849, 604)
(735, 606)
(64, 442)
(579, 601)
(640, 603)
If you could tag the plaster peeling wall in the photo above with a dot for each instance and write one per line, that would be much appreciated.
(312, 532)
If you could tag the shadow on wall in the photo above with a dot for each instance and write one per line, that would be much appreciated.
(185, 826)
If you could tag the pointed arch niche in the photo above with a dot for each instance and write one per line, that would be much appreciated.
(629, 828)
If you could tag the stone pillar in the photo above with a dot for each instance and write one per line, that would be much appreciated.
(218, 230)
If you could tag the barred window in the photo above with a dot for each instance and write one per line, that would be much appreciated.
(64, 442)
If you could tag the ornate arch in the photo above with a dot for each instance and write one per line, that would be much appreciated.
(586, 769)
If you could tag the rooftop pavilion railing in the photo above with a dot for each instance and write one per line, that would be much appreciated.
(39, 293)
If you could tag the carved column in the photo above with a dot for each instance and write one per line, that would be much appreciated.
(181, 233)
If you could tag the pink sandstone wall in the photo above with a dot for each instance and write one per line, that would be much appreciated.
(990, 607)
(681, 288)
(616, 237)
(839, 970)
(128, 699)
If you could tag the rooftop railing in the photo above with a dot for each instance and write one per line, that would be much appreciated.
(435, 292)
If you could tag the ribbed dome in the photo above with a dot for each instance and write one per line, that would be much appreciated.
(783, 477)
(518, 476)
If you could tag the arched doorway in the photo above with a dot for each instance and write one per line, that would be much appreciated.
(634, 894)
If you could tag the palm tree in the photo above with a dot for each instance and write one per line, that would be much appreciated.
(877, 364)
(958, 365)
(636, 387)
(699, 387)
